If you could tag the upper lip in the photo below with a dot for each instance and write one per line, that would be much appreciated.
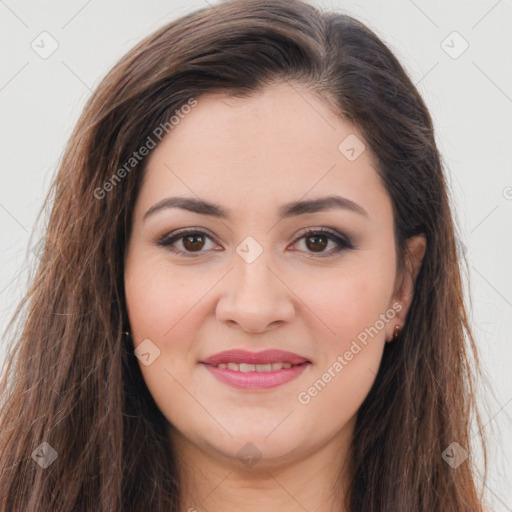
(265, 356)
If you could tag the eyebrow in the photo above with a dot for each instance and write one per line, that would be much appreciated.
(287, 210)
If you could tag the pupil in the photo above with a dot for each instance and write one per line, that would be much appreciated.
(318, 245)
(194, 245)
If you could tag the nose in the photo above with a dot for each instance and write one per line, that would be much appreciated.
(255, 297)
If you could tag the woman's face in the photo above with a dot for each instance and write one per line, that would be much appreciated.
(249, 277)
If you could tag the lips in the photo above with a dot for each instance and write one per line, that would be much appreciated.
(249, 371)
(263, 357)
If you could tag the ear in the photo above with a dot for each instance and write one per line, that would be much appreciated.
(404, 285)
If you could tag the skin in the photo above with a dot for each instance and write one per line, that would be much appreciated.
(251, 155)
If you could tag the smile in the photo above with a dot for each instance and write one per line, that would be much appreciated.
(248, 367)
(256, 376)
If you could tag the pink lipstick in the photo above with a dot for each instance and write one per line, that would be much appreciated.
(255, 370)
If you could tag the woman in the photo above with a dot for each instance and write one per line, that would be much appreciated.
(249, 297)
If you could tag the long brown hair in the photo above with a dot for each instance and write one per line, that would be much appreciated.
(72, 380)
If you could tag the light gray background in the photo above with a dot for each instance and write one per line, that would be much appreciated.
(470, 98)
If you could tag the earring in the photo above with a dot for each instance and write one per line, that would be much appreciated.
(126, 333)
(396, 332)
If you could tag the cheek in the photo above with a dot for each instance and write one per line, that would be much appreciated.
(351, 300)
(348, 357)
(163, 306)
(160, 303)
(159, 297)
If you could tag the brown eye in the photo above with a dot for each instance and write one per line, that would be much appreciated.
(187, 242)
(316, 242)
(193, 242)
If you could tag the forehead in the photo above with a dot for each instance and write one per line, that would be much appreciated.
(282, 143)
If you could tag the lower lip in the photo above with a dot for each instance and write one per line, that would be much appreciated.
(256, 380)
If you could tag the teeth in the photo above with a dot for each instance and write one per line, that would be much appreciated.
(247, 367)
(244, 367)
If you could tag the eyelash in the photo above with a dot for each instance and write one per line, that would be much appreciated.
(342, 242)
